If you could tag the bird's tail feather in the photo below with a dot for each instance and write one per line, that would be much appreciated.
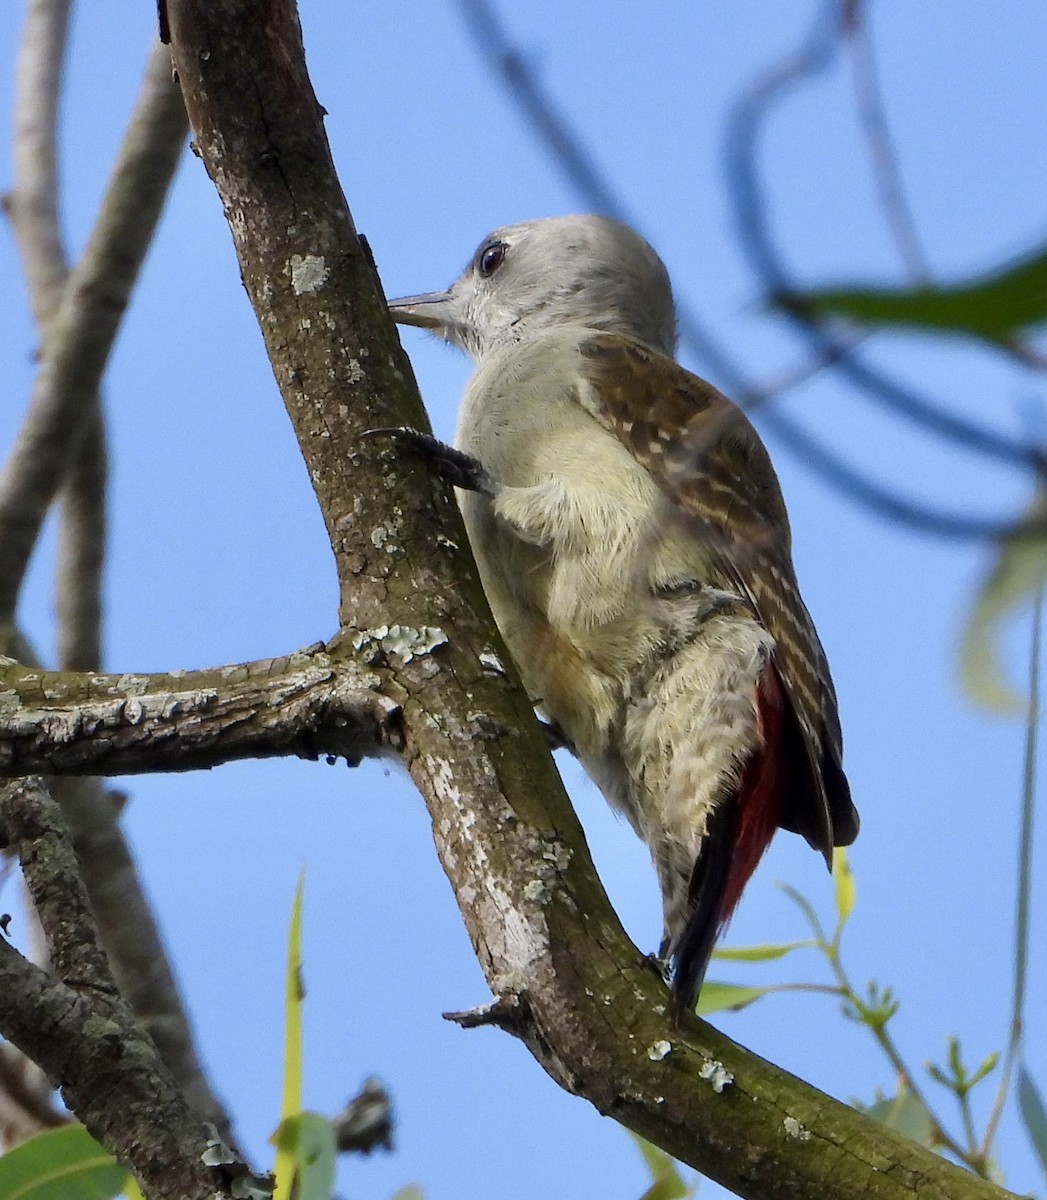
(739, 830)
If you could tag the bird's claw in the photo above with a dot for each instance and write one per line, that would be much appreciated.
(555, 738)
(457, 468)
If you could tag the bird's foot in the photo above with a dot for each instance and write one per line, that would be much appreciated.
(555, 738)
(457, 468)
(661, 966)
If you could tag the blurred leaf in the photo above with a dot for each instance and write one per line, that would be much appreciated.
(759, 953)
(307, 1139)
(1034, 1115)
(411, 1192)
(846, 891)
(987, 1067)
(807, 908)
(715, 997)
(291, 1106)
(907, 1115)
(667, 1183)
(1019, 571)
(61, 1164)
(994, 307)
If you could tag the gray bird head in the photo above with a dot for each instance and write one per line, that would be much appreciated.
(587, 270)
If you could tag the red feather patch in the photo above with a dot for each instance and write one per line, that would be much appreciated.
(759, 799)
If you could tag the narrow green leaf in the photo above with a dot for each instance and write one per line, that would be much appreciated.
(995, 306)
(987, 1068)
(715, 997)
(760, 953)
(939, 1076)
(846, 890)
(806, 907)
(1034, 1114)
(292, 1097)
(956, 1059)
(1019, 572)
(61, 1164)
(906, 1114)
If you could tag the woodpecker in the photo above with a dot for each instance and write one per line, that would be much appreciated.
(633, 542)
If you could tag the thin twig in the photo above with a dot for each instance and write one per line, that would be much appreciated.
(883, 156)
(1024, 881)
(745, 127)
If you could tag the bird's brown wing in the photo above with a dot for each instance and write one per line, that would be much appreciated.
(708, 459)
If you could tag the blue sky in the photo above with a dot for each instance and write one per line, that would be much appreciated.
(218, 551)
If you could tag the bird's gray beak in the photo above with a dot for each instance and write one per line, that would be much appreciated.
(431, 311)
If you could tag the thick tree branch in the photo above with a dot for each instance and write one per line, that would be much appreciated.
(75, 1025)
(306, 704)
(588, 1007)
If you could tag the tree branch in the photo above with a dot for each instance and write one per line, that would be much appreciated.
(81, 333)
(590, 1010)
(79, 1030)
(306, 704)
(127, 927)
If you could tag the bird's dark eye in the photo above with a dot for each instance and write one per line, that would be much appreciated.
(491, 258)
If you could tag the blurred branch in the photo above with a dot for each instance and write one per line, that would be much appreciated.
(26, 1106)
(32, 205)
(745, 127)
(127, 926)
(567, 149)
(1013, 1054)
(887, 504)
(81, 551)
(81, 334)
(75, 1025)
(882, 154)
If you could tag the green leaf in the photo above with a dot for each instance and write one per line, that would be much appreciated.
(291, 1105)
(995, 306)
(715, 997)
(1034, 1114)
(760, 953)
(905, 1114)
(667, 1183)
(1019, 572)
(807, 908)
(987, 1067)
(61, 1164)
(846, 891)
(411, 1192)
(308, 1142)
